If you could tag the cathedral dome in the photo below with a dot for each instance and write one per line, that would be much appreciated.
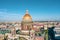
(27, 16)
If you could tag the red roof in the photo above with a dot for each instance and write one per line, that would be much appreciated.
(39, 38)
(39, 24)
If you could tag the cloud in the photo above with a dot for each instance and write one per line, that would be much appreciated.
(9, 16)
(3, 10)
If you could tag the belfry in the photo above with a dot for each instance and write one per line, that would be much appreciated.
(26, 23)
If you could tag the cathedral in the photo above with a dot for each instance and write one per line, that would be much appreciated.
(27, 26)
(26, 23)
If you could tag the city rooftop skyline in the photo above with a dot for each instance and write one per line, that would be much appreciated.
(42, 10)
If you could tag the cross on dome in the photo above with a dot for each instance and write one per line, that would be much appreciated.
(27, 12)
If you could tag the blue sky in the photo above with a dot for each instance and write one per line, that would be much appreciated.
(14, 10)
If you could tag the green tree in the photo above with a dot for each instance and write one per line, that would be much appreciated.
(18, 31)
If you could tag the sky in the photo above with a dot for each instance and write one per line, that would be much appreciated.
(42, 10)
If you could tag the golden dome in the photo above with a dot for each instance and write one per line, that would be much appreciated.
(27, 16)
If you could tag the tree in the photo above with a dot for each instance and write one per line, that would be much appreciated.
(18, 31)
